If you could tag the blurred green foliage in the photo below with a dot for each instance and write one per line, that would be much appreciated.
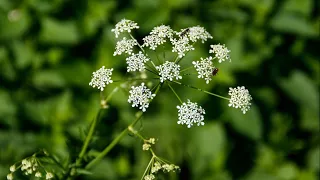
(49, 48)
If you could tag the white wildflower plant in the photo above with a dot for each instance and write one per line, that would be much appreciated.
(148, 74)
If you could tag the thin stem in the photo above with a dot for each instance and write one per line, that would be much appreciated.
(137, 42)
(174, 92)
(148, 167)
(88, 138)
(207, 92)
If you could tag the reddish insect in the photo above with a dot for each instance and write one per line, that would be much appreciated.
(215, 71)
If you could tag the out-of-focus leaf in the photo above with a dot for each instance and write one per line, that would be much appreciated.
(313, 159)
(309, 119)
(255, 175)
(287, 171)
(287, 22)
(23, 54)
(7, 107)
(123, 166)
(300, 88)
(48, 78)
(248, 124)
(303, 7)
(58, 32)
(45, 6)
(14, 24)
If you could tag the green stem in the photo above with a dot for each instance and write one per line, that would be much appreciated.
(88, 138)
(117, 139)
(207, 92)
(112, 144)
(174, 92)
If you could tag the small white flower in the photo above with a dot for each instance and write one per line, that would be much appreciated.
(125, 46)
(124, 25)
(197, 32)
(181, 46)
(162, 31)
(101, 78)
(136, 62)
(38, 174)
(149, 177)
(13, 168)
(240, 98)
(168, 71)
(204, 68)
(221, 52)
(49, 175)
(140, 96)
(190, 113)
(10, 176)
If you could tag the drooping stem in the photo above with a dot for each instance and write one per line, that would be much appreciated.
(207, 92)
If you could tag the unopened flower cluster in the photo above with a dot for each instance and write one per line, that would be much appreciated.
(30, 166)
(157, 165)
(147, 144)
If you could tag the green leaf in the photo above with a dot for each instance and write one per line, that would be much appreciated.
(287, 171)
(248, 124)
(58, 32)
(313, 159)
(48, 78)
(287, 22)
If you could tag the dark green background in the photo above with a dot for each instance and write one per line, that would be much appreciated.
(48, 50)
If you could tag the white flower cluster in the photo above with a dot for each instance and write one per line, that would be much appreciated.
(221, 52)
(101, 78)
(240, 98)
(136, 62)
(157, 36)
(204, 68)
(197, 32)
(181, 46)
(29, 166)
(124, 25)
(125, 46)
(168, 71)
(190, 113)
(157, 165)
(140, 96)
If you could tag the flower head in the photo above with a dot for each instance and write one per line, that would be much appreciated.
(168, 71)
(136, 62)
(221, 52)
(124, 25)
(101, 78)
(149, 177)
(197, 32)
(125, 46)
(190, 113)
(181, 45)
(157, 36)
(140, 96)
(240, 98)
(10, 176)
(204, 68)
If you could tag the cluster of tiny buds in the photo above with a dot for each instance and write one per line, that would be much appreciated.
(158, 165)
(29, 166)
(147, 144)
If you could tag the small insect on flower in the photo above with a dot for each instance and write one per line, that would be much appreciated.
(184, 32)
(215, 71)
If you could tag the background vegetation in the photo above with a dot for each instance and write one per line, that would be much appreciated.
(49, 48)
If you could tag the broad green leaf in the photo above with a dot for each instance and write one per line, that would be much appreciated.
(59, 32)
(248, 124)
(313, 159)
(288, 22)
(48, 78)
(287, 171)
(302, 7)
